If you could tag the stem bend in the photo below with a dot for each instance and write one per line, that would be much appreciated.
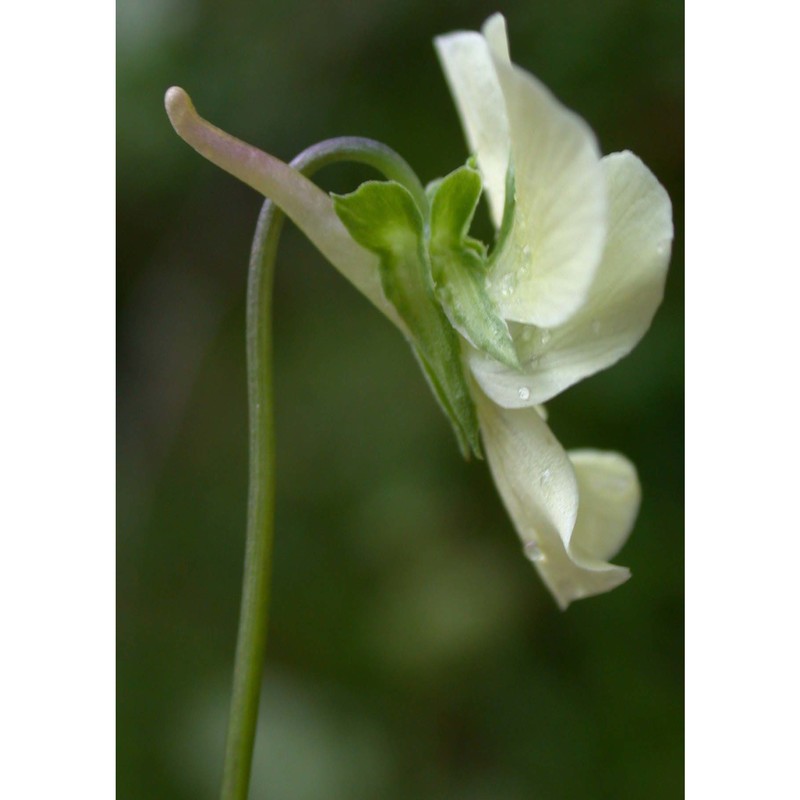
(254, 614)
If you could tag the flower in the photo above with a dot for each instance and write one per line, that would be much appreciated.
(570, 286)
(579, 277)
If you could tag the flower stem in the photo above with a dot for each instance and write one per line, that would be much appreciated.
(253, 620)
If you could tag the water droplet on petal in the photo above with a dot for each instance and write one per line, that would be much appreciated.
(544, 478)
(508, 284)
(544, 336)
(533, 552)
(524, 392)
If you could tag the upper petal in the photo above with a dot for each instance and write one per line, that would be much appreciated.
(622, 300)
(556, 508)
(547, 262)
(468, 65)
(544, 268)
(495, 32)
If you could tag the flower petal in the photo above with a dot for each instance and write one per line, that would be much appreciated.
(469, 68)
(546, 264)
(541, 491)
(609, 502)
(495, 32)
(622, 300)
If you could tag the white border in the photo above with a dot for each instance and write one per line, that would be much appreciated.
(57, 422)
(743, 334)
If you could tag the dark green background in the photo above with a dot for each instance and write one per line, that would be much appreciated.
(413, 651)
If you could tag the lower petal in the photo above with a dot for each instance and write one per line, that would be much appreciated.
(542, 491)
(609, 502)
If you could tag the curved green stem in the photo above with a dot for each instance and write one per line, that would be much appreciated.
(364, 151)
(253, 621)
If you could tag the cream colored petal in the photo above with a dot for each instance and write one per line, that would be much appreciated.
(540, 489)
(495, 32)
(622, 300)
(545, 267)
(554, 246)
(609, 502)
(469, 68)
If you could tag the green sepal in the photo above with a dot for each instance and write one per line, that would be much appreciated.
(384, 218)
(459, 265)
(432, 188)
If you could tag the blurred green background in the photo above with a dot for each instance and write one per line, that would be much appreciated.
(413, 651)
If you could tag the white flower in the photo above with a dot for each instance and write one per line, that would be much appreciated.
(579, 278)
(571, 286)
